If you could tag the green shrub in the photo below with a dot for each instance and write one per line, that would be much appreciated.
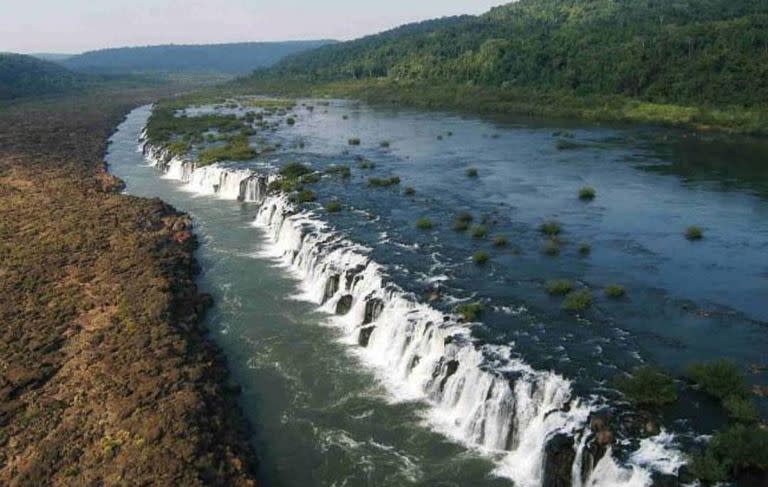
(585, 249)
(310, 178)
(737, 448)
(615, 291)
(552, 247)
(470, 311)
(720, 378)
(479, 231)
(306, 196)
(354, 141)
(559, 287)
(333, 206)
(409, 191)
(384, 144)
(577, 301)
(424, 224)
(472, 172)
(294, 170)
(648, 386)
(587, 194)
(708, 468)
(236, 149)
(500, 241)
(481, 257)
(741, 409)
(383, 182)
(290, 121)
(694, 233)
(551, 228)
(462, 221)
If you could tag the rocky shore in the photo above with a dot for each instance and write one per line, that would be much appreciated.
(106, 375)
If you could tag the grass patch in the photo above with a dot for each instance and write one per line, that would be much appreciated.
(551, 228)
(306, 196)
(648, 386)
(384, 144)
(354, 141)
(290, 121)
(236, 149)
(551, 248)
(472, 172)
(344, 171)
(585, 249)
(694, 233)
(577, 301)
(500, 241)
(587, 193)
(741, 409)
(479, 231)
(294, 170)
(332, 206)
(615, 291)
(735, 449)
(409, 191)
(720, 378)
(481, 257)
(559, 287)
(470, 311)
(424, 224)
(383, 182)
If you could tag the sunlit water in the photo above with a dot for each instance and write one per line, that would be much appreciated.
(324, 419)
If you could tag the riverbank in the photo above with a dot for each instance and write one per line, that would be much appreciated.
(106, 374)
(519, 101)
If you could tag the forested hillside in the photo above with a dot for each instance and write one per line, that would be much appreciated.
(28, 76)
(672, 51)
(218, 58)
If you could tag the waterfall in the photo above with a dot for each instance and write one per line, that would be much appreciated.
(215, 179)
(479, 395)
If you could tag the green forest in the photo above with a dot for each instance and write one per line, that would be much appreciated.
(688, 52)
(22, 76)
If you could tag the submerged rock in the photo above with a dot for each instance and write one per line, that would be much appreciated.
(344, 304)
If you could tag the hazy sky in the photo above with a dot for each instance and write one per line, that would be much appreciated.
(70, 26)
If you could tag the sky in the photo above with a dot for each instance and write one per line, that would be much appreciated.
(73, 26)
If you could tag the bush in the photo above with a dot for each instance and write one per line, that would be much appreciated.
(552, 247)
(559, 287)
(294, 170)
(310, 178)
(290, 121)
(551, 228)
(736, 448)
(480, 257)
(384, 144)
(342, 171)
(585, 249)
(409, 191)
(577, 301)
(306, 196)
(500, 241)
(384, 182)
(648, 386)
(470, 311)
(694, 233)
(615, 291)
(472, 172)
(708, 468)
(720, 378)
(333, 206)
(424, 224)
(587, 194)
(354, 141)
(479, 231)
(741, 409)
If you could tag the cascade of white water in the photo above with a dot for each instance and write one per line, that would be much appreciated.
(479, 395)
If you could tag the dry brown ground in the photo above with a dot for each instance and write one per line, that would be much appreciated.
(105, 376)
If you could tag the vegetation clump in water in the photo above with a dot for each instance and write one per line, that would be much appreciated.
(500, 241)
(559, 287)
(479, 231)
(425, 224)
(648, 386)
(481, 257)
(384, 182)
(694, 233)
(577, 300)
(470, 311)
(587, 193)
(615, 291)
(237, 149)
(551, 228)
(462, 221)
(333, 206)
(472, 172)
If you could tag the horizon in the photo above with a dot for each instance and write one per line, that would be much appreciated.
(82, 26)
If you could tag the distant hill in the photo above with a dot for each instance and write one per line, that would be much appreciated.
(237, 58)
(53, 57)
(681, 51)
(22, 75)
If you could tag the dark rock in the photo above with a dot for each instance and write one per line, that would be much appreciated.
(373, 308)
(559, 455)
(344, 304)
(331, 286)
(365, 335)
(450, 368)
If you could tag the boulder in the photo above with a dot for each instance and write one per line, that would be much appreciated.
(344, 304)
(559, 454)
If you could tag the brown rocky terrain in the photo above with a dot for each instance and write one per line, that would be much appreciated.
(106, 377)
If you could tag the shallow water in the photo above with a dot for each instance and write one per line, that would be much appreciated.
(325, 420)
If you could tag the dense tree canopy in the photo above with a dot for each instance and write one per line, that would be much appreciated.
(692, 51)
(216, 58)
(27, 76)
